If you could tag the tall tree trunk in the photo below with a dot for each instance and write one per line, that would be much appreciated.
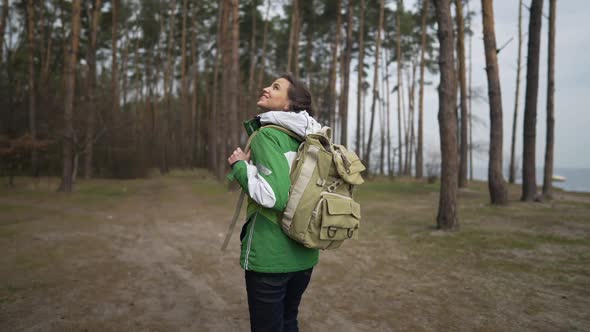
(91, 111)
(388, 110)
(463, 88)
(251, 100)
(168, 88)
(470, 101)
(529, 181)
(447, 209)
(345, 76)
(114, 76)
(214, 117)
(359, 93)
(186, 106)
(196, 144)
(292, 53)
(548, 172)
(420, 147)
(296, 35)
(32, 90)
(408, 142)
(66, 179)
(333, 69)
(496, 183)
(234, 83)
(512, 167)
(224, 120)
(375, 86)
(3, 20)
(400, 9)
(124, 62)
(412, 121)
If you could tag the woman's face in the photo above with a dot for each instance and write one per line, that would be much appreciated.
(274, 97)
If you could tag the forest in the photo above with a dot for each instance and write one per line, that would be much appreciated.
(112, 89)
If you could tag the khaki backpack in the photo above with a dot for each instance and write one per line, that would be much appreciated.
(321, 211)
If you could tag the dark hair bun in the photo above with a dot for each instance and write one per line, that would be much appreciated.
(299, 96)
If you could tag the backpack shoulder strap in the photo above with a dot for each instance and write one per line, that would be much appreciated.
(286, 131)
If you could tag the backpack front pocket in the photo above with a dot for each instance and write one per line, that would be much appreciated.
(340, 218)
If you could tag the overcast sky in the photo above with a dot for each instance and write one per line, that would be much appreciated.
(572, 85)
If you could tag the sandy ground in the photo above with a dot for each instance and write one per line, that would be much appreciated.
(150, 260)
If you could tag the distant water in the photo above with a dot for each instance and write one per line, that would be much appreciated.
(576, 179)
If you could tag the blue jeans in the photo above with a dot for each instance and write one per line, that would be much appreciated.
(273, 299)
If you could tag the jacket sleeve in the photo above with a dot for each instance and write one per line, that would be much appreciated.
(267, 181)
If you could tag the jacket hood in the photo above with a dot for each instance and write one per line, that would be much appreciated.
(300, 123)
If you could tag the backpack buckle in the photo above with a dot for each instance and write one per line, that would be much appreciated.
(331, 231)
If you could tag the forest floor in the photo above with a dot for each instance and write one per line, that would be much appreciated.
(144, 255)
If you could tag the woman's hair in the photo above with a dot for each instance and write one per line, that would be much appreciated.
(299, 95)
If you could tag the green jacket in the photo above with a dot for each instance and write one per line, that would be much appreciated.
(265, 248)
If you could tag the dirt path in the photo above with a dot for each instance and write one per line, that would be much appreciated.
(149, 260)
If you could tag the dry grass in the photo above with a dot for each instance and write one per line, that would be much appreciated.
(144, 255)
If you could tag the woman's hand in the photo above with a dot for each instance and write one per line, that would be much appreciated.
(238, 155)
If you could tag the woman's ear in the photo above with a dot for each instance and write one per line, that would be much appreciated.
(286, 108)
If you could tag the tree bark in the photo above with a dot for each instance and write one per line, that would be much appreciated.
(91, 112)
(496, 183)
(463, 88)
(31, 83)
(548, 171)
(529, 182)
(359, 93)
(512, 167)
(66, 179)
(447, 209)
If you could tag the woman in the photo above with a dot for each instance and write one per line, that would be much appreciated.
(278, 269)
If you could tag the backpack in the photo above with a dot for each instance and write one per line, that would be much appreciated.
(321, 211)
